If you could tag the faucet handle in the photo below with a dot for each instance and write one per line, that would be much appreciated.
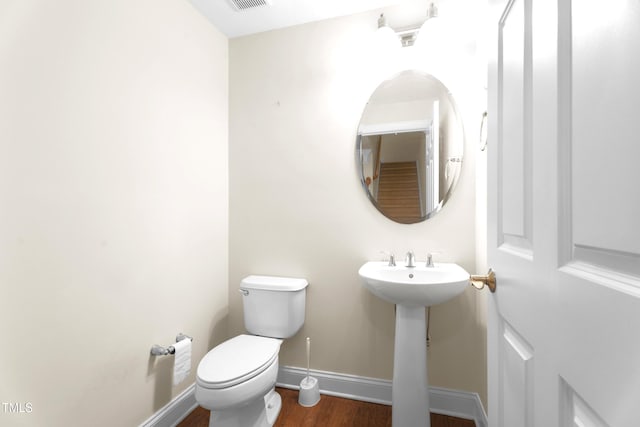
(390, 257)
(430, 258)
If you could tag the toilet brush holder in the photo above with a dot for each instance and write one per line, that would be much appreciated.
(309, 389)
(309, 392)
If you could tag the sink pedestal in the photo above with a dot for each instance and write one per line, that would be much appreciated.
(410, 390)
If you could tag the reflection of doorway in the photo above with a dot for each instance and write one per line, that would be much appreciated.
(399, 191)
(404, 156)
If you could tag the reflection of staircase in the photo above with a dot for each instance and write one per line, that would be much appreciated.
(398, 191)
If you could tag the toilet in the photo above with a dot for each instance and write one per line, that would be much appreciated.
(236, 379)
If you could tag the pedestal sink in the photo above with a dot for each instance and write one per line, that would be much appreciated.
(412, 289)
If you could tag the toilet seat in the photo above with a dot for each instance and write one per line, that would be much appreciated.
(237, 360)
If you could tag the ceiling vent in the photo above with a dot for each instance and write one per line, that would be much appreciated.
(241, 5)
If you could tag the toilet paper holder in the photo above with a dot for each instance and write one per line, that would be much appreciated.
(158, 350)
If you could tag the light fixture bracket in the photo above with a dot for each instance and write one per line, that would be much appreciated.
(409, 35)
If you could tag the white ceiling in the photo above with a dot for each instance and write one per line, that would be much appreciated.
(282, 13)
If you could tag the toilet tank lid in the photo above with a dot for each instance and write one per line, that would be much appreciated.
(273, 283)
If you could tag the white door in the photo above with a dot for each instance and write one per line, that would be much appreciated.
(564, 213)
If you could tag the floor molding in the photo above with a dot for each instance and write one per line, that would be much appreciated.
(456, 403)
(175, 411)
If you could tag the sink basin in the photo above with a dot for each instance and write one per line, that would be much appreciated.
(417, 286)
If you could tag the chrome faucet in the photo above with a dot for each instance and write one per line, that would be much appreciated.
(430, 260)
(392, 260)
(410, 260)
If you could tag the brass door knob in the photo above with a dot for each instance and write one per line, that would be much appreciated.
(479, 281)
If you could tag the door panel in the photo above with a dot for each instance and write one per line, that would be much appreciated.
(564, 213)
(604, 122)
(514, 77)
(576, 412)
(517, 379)
(602, 100)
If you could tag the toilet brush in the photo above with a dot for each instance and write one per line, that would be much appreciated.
(308, 356)
(309, 389)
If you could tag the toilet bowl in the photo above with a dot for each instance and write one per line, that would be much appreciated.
(236, 379)
(249, 375)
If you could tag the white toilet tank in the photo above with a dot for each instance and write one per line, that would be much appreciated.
(273, 306)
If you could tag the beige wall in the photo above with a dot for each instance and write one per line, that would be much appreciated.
(114, 204)
(297, 207)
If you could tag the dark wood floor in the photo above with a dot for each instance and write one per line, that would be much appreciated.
(329, 412)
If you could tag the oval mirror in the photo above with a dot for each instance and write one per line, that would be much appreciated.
(409, 147)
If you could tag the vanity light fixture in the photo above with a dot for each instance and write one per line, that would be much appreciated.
(407, 35)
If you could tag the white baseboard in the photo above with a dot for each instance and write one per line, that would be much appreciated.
(175, 411)
(341, 385)
(456, 403)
